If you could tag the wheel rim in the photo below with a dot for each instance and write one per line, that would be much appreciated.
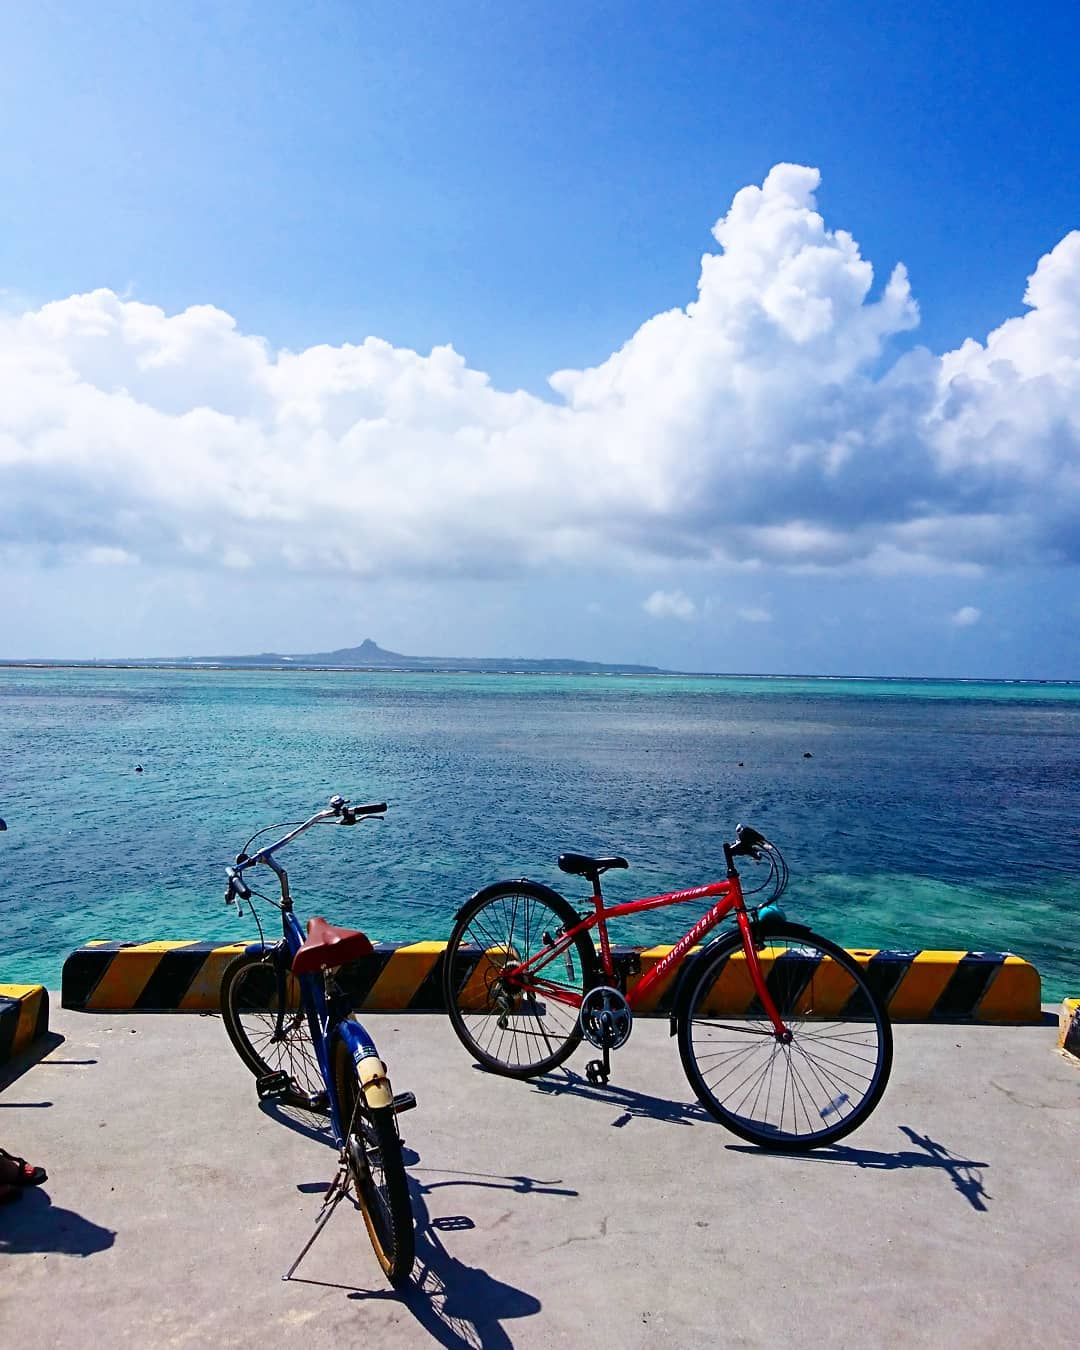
(369, 1176)
(516, 1022)
(809, 1088)
(255, 1004)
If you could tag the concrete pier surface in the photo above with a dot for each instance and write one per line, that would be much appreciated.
(550, 1213)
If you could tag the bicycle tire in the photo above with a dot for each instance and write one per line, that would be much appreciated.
(373, 1150)
(788, 1098)
(518, 917)
(249, 998)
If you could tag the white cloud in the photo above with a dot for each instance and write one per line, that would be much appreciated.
(760, 426)
(669, 605)
(109, 557)
(965, 616)
(753, 614)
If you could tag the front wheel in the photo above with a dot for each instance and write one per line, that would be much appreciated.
(250, 995)
(791, 1096)
(517, 1024)
(373, 1150)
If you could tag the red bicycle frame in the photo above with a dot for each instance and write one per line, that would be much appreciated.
(730, 897)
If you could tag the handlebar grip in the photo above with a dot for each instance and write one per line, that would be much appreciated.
(236, 886)
(375, 809)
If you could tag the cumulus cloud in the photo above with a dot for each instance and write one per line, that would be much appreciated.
(669, 605)
(763, 424)
(965, 616)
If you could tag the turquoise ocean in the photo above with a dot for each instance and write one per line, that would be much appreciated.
(913, 814)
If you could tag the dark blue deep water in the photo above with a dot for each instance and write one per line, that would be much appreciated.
(926, 815)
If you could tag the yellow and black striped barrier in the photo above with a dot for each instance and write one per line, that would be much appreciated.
(915, 986)
(24, 1016)
(1069, 1027)
(185, 977)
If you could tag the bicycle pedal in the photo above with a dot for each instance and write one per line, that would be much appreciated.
(404, 1101)
(273, 1086)
(596, 1073)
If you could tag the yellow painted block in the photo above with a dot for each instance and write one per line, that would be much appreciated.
(650, 958)
(127, 975)
(923, 984)
(403, 975)
(32, 1000)
(204, 991)
(1014, 996)
(733, 991)
(828, 991)
(474, 995)
(29, 1009)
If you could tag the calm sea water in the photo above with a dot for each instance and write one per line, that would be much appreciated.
(926, 815)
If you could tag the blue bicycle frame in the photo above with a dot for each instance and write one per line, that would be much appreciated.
(328, 1015)
(328, 1010)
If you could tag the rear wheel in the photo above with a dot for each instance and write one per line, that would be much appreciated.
(249, 1009)
(808, 1092)
(517, 1025)
(373, 1149)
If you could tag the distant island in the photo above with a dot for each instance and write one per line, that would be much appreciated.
(370, 656)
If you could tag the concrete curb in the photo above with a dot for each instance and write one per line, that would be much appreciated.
(24, 1017)
(1069, 1027)
(185, 977)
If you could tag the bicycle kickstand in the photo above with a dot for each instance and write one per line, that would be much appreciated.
(338, 1189)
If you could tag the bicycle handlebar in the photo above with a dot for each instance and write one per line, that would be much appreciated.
(338, 808)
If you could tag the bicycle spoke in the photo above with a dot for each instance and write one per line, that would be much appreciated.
(796, 1092)
(513, 993)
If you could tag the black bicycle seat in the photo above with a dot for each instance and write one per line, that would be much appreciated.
(581, 865)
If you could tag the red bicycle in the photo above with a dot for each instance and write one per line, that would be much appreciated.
(780, 1034)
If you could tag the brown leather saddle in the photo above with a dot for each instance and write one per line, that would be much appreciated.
(327, 947)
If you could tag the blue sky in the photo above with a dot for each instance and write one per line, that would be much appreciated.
(748, 487)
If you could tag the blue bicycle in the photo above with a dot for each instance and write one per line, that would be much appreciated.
(292, 1025)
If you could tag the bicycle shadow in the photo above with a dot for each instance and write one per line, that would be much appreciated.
(966, 1174)
(632, 1103)
(310, 1124)
(461, 1307)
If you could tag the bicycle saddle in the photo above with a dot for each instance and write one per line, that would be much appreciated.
(327, 947)
(580, 865)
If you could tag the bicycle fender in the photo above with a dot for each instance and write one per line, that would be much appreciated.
(536, 888)
(370, 1070)
(263, 948)
(681, 993)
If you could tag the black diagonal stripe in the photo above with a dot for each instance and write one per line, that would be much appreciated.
(970, 980)
(429, 996)
(82, 973)
(790, 974)
(465, 961)
(883, 972)
(172, 977)
(9, 1024)
(358, 978)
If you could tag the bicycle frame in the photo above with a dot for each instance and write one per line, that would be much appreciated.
(729, 899)
(327, 1016)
